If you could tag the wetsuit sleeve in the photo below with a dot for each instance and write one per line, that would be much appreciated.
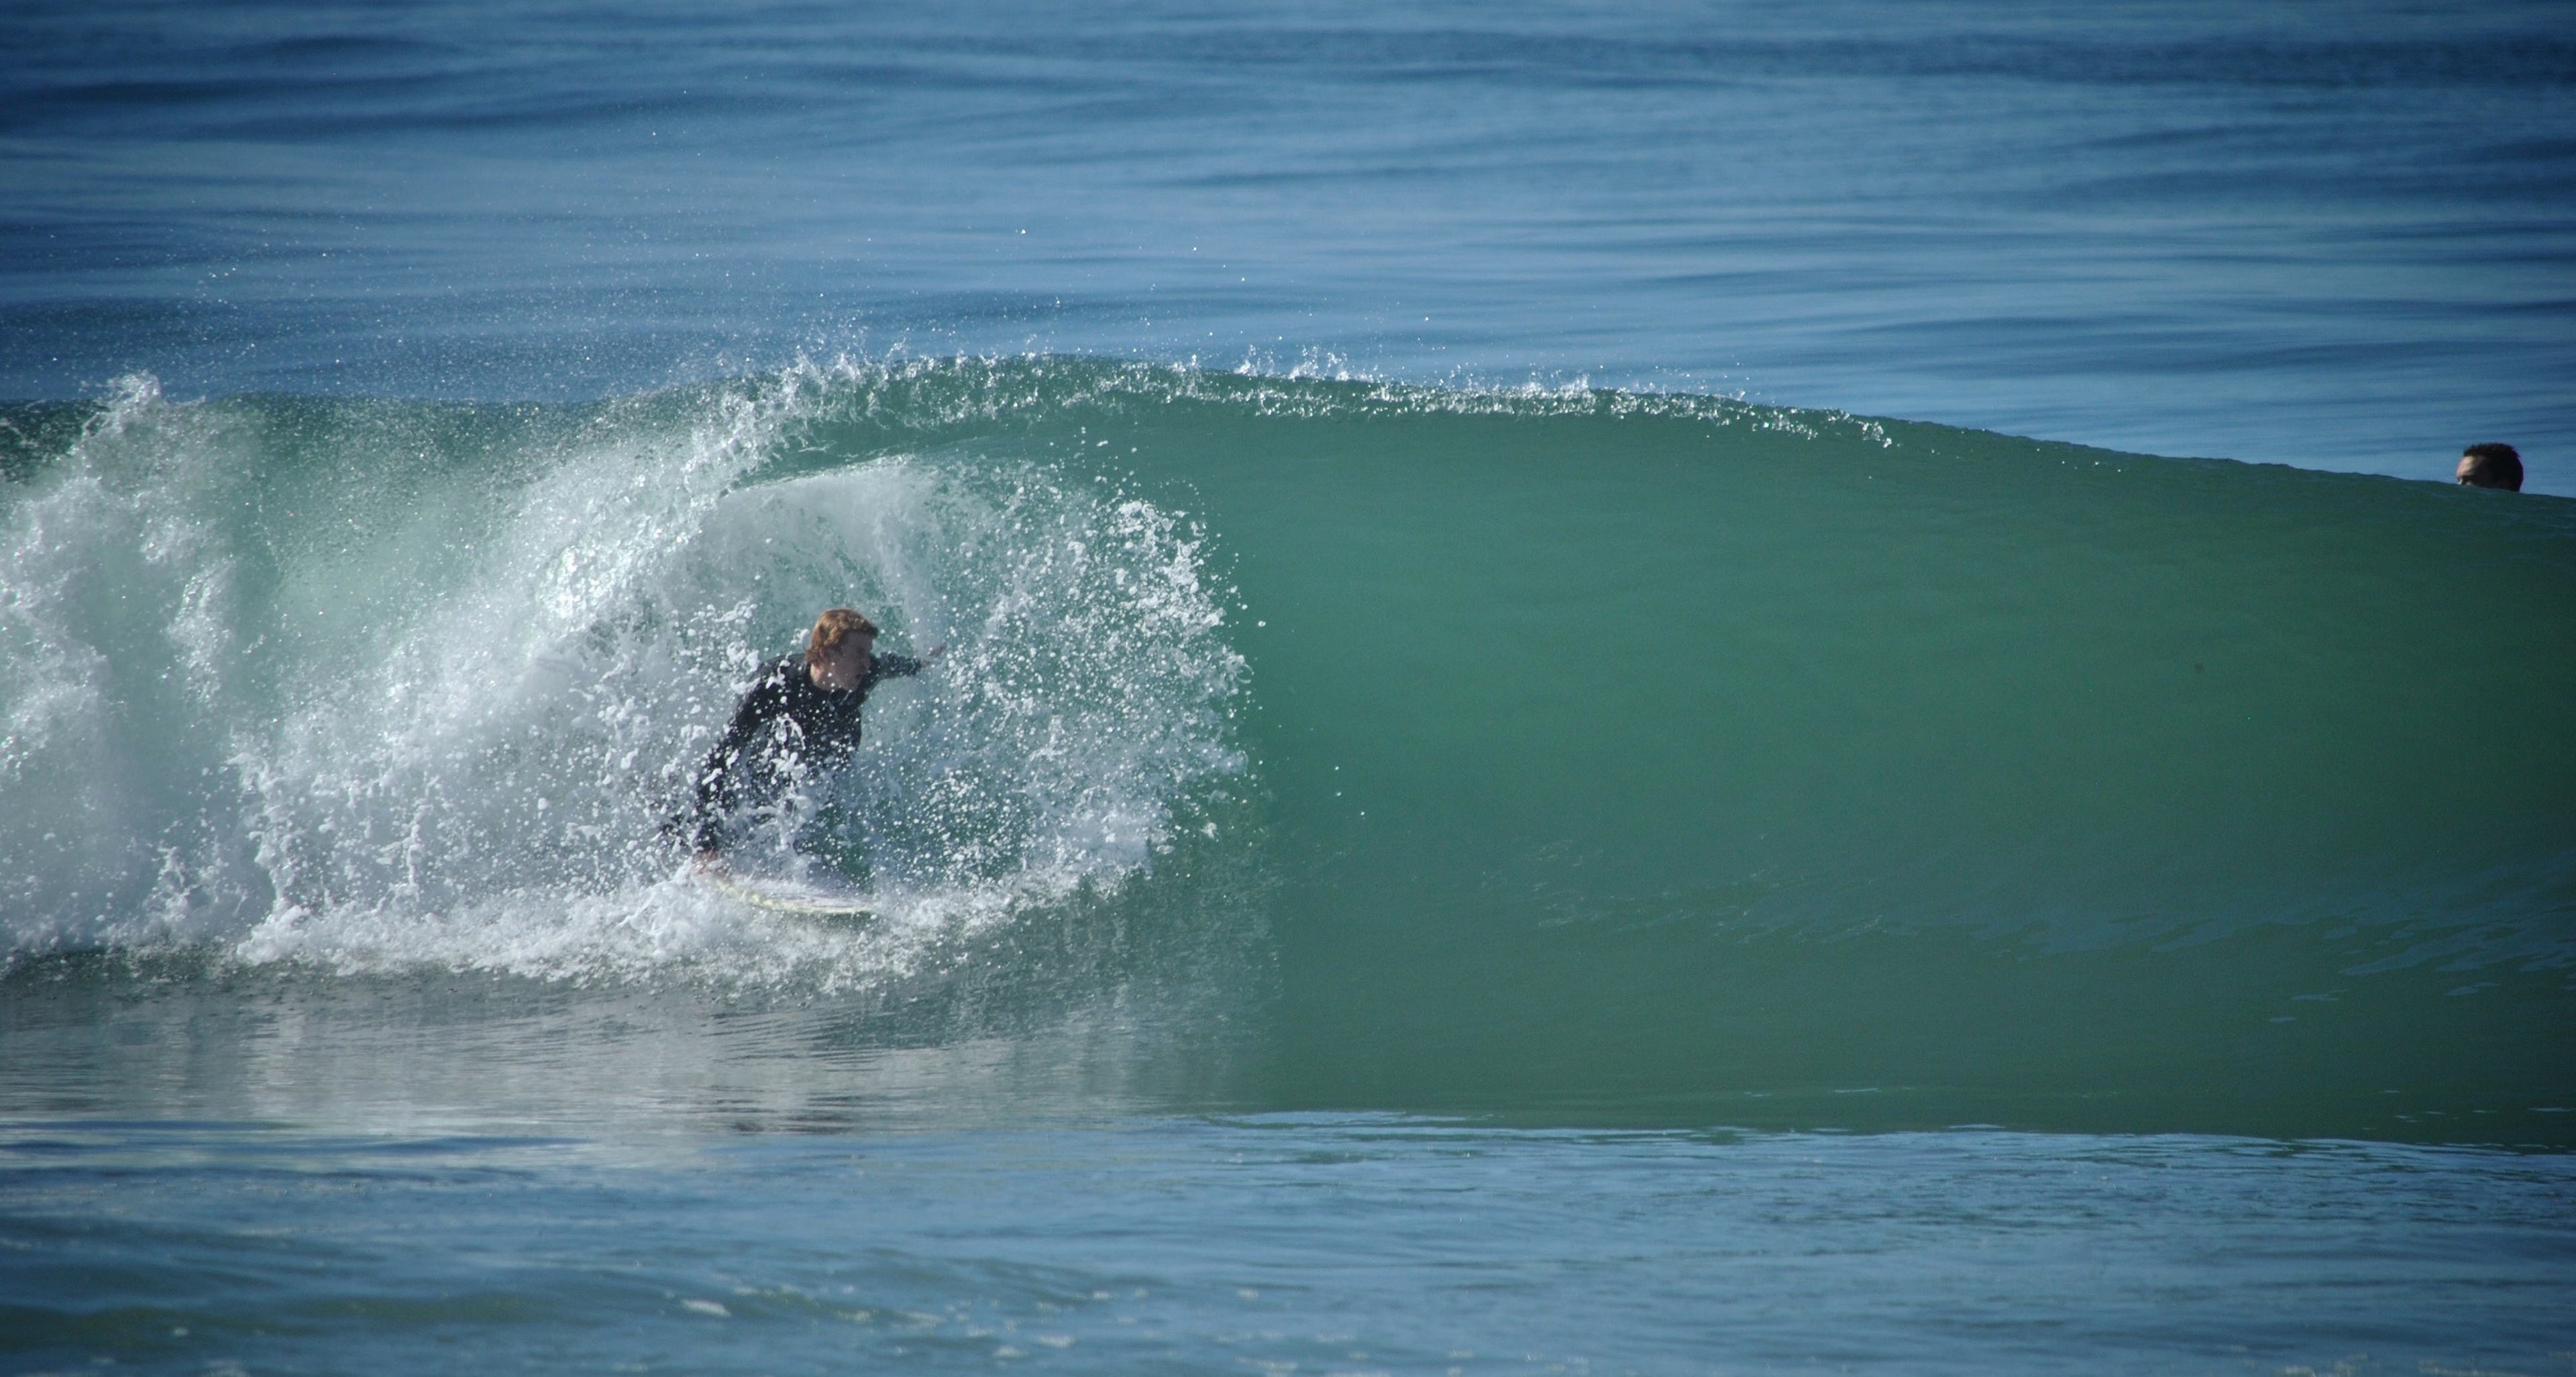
(717, 792)
(894, 667)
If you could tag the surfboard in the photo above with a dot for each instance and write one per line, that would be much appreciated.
(805, 899)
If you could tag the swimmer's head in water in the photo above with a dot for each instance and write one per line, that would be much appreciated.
(2491, 466)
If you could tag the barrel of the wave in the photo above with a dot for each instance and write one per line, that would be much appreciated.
(1679, 761)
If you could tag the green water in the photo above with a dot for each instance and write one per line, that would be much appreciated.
(1671, 761)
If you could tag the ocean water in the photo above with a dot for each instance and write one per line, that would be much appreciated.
(2329, 233)
(1582, 733)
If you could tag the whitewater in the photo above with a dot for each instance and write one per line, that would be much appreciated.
(278, 695)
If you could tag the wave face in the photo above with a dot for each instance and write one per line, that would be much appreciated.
(1571, 754)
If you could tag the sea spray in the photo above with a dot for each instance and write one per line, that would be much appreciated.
(432, 687)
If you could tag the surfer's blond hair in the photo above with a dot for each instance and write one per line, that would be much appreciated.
(835, 626)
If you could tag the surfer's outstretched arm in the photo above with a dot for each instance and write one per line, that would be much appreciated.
(892, 666)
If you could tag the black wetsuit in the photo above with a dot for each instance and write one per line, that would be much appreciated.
(786, 724)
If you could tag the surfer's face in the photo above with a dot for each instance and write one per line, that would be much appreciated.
(845, 666)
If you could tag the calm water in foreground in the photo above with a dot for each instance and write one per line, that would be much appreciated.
(285, 1178)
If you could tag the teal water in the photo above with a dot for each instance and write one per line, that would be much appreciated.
(1326, 1244)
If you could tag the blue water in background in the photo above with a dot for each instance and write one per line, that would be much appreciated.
(2328, 234)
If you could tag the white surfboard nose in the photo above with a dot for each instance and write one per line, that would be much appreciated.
(790, 896)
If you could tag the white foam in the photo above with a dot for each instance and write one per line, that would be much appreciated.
(448, 740)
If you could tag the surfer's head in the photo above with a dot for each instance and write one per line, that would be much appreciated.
(836, 626)
(2491, 466)
(837, 653)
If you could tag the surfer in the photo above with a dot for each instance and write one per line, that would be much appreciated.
(2491, 466)
(801, 713)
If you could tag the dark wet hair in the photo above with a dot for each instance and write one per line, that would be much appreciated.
(2497, 466)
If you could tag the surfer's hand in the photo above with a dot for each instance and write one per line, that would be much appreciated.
(932, 654)
(707, 859)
